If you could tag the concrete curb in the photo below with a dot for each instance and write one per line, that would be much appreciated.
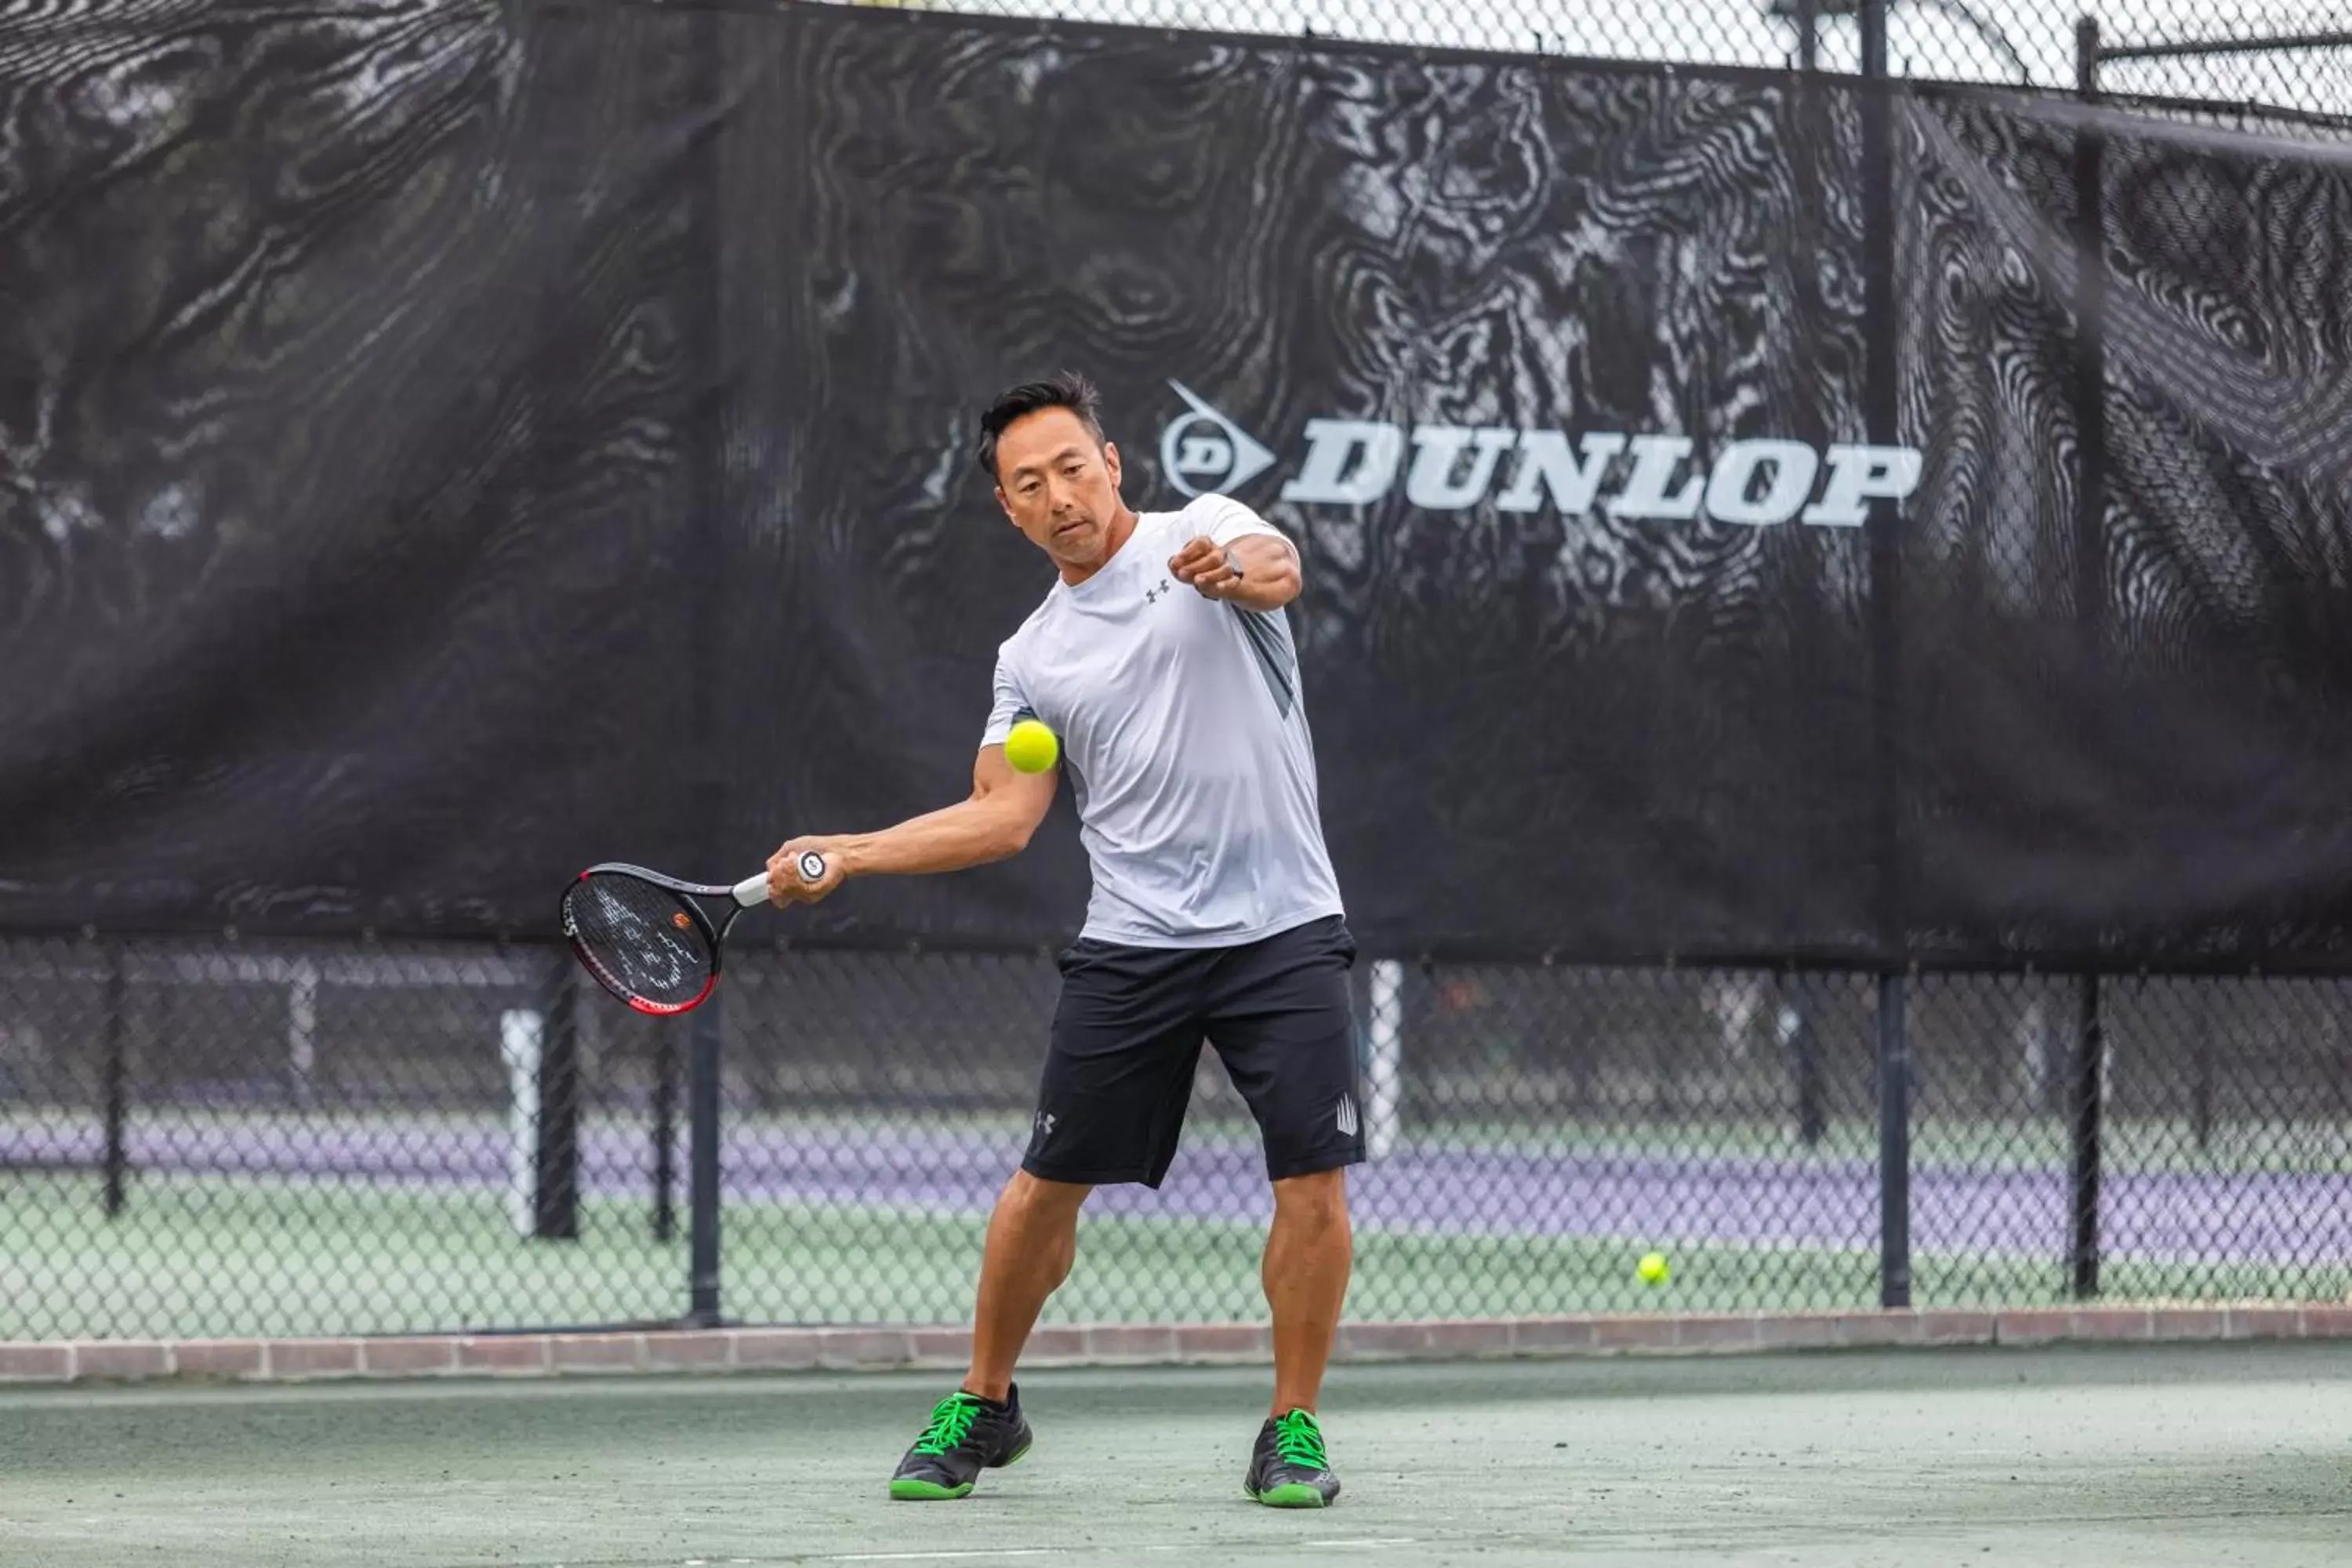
(1124, 1344)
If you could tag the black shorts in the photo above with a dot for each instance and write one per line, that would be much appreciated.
(1127, 1036)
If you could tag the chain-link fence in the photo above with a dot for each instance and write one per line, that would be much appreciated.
(209, 1138)
(208, 1135)
(2294, 54)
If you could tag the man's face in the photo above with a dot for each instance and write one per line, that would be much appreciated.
(1058, 486)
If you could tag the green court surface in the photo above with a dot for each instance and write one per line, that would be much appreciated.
(195, 1256)
(2156, 1459)
(199, 1256)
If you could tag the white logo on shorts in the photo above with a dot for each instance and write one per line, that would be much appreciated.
(1347, 1116)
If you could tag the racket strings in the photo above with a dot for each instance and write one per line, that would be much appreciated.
(639, 938)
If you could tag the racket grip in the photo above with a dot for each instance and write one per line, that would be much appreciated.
(753, 890)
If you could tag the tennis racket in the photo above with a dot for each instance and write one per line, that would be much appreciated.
(647, 939)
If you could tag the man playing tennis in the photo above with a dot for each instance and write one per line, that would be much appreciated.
(1164, 660)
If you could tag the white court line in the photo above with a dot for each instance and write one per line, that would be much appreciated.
(946, 1556)
(993, 1553)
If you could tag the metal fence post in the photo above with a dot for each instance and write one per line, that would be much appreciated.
(702, 1088)
(665, 1217)
(2083, 1087)
(555, 1186)
(708, 365)
(1880, 414)
(115, 1087)
(2087, 1090)
(1894, 1144)
(2200, 1101)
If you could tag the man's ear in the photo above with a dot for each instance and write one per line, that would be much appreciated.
(1005, 501)
(1110, 461)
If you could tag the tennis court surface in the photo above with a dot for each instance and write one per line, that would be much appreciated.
(2204, 1455)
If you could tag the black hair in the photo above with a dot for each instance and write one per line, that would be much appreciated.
(1067, 389)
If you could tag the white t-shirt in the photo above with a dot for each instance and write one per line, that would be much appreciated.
(1185, 738)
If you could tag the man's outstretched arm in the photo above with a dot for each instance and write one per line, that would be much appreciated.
(1257, 571)
(993, 823)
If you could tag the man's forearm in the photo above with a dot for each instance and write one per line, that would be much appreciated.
(953, 839)
(1256, 593)
(1270, 576)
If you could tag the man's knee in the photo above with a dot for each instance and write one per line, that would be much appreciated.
(1036, 1226)
(1037, 1198)
(1316, 1200)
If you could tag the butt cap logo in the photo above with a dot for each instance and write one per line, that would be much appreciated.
(1203, 451)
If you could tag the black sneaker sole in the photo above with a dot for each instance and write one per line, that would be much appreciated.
(914, 1489)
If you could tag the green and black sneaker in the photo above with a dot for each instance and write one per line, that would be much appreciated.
(967, 1435)
(1289, 1469)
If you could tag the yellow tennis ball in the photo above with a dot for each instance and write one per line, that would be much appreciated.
(1031, 748)
(1654, 1269)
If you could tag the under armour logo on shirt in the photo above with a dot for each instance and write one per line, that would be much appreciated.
(1045, 1124)
(1151, 595)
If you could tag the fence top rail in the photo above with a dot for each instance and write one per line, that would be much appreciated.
(487, 971)
(2191, 48)
(489, 964)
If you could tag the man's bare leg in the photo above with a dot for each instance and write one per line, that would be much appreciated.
(1308, 1252)
(1033, 1239)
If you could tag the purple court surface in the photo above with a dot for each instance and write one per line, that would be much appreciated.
(2248, 1217)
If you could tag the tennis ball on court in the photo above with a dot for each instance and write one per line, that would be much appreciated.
(1031, 748)
(1654, 1269)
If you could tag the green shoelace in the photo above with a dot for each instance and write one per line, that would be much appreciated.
(1299, 1441)
(951, 1421)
